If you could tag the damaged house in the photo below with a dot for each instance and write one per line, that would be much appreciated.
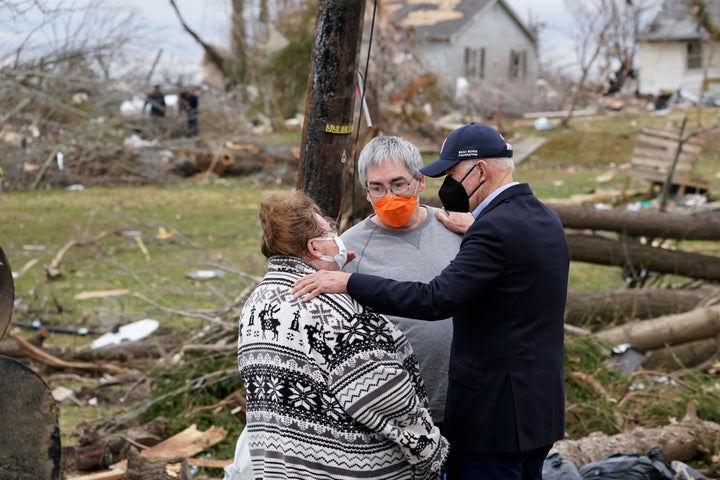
(676, 53)
(473, 40)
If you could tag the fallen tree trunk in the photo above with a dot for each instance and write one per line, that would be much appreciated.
(595, 310)
(647, 335)
(703, 226)
(40, 355)
(595, 249)
(686, 355)
(128, 351)
(683, 441)
(236, 159)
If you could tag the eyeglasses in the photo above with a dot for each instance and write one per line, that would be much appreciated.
(400, 188)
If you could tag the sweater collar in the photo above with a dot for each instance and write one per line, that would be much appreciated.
(284, 263)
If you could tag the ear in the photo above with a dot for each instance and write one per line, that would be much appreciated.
(481, 166)
(312, 249)
(421, 183)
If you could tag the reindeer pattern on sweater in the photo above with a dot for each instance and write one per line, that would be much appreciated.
(333, 389)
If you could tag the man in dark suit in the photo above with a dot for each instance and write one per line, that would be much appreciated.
(506, 291)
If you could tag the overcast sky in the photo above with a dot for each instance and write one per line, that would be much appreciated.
(210, 19)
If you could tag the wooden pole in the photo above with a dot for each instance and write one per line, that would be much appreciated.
(326, 139)
(668, 182)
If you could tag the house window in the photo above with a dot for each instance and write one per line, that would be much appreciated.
(475, 63)
(518, 64)
(694, 55)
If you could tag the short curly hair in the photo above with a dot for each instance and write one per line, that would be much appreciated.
(288, 221)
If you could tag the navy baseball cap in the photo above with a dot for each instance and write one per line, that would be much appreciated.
(474, 140)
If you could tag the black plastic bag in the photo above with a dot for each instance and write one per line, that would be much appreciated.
(556, 468)
(629, 466)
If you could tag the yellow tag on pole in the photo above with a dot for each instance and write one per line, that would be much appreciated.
(338, 129)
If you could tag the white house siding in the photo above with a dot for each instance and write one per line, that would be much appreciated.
(662, 67)
(496, 32)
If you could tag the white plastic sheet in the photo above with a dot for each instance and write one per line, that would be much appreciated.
(241, 468)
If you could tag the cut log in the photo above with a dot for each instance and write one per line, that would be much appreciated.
(596, 310)
(683, 441)
(703, 226)
(236, 159)
(255, 158)
(95, 450)
(698, 324)
(185, 444)
(595, 249)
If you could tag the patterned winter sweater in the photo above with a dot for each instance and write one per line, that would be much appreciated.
(333, 389)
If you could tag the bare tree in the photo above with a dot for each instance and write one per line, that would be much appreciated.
(604, 29)
(592, 22)
(67, 36)
(619, 54)
(711, 37)
(54, 49)
(238, 45)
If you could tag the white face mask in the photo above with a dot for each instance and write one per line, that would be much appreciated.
(341, 257)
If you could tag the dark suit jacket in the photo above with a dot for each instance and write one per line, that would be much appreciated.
(506, 291)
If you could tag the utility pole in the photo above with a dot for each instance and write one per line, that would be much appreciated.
(327, 132)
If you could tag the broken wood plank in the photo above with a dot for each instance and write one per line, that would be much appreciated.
(208, 462)
(187, 443)
(101, 294)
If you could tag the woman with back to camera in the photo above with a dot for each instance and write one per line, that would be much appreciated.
(333, 389)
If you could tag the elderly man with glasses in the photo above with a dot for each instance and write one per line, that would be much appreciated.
(403, 239)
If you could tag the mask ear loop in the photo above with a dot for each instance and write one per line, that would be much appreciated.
(479, 184)
(468, 173)
(417, 185)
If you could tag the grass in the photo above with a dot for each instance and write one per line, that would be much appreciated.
(143, 239)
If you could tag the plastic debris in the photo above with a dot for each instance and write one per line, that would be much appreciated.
(127, 333)
(205, 274)
(556, 467)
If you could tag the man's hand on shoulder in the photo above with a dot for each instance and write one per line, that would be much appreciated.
(323, 281)
(455, 221)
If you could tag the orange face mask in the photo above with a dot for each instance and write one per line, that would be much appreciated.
(396, 211)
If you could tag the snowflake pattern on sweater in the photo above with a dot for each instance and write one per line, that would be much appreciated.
(333, 389)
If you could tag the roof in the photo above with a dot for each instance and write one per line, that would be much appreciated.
(439, 20)
(674, 21)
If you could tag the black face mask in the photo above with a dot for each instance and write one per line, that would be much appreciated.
(453, 195)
